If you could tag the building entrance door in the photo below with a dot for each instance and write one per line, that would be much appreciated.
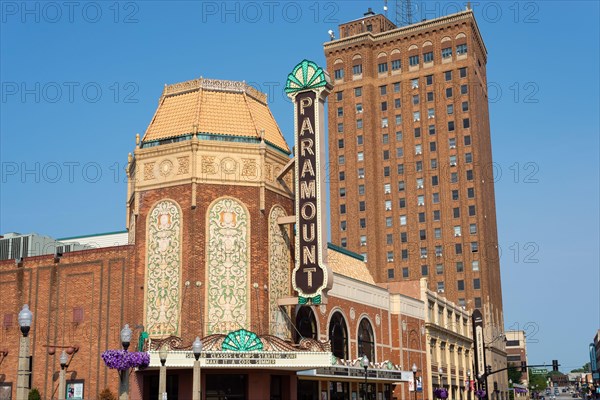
(226, 387)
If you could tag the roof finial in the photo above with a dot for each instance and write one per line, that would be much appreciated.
(137, 140)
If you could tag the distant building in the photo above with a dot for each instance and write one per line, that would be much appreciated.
(516, 351)
(15, 246)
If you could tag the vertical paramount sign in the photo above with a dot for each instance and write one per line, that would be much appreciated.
(308, 86)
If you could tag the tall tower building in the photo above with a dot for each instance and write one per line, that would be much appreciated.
(411, 159)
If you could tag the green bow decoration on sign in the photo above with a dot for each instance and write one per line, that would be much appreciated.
(316, 300)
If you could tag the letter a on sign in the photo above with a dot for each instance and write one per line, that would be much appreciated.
(308, 86)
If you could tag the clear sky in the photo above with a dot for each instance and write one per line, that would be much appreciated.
(80, 79)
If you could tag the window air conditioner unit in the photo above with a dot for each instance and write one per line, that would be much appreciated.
(424, 256)
(457, 235)
(440, 290)
(419, 186)
(452, 147)
(388, 209)
(438, 254)
(390, 260)
(417, 119)
(418, 152)
(430, 116)
(453, 164)
(421, 204)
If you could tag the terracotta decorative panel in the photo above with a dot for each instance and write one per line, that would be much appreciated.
(163, 270)
(279, 273)
(228, 267)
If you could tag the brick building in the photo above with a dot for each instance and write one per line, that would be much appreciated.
(208, 255)
(410, 137)
(516, 351)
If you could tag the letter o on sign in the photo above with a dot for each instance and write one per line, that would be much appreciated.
(308, 211)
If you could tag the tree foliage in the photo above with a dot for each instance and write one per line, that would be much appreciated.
(34, 394)
(514, 373)
(538, 380)
(586, 368)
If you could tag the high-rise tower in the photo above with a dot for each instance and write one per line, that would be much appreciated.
(409, 145)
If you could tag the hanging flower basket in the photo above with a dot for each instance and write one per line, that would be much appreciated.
(440, 393)
(122, 360)
(480, 393)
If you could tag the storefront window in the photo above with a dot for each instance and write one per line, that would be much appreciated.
(366, 342)
(338, 335)
(306, 324)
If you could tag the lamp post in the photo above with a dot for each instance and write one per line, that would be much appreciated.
(23, 374)
(124, 375)
(64, 359)
(414, 370)
(162, 382)
(440, 372)
(364, 362)
(197, 383)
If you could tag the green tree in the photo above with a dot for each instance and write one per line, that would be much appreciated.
(514, 373)
(34, 394)
(538, 380)
(586, 368)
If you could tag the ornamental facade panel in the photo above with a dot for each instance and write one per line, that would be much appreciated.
(227, 266)
(279, 273)
(163, 270)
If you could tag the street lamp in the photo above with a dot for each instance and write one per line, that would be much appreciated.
(414, 370)
(440, 372)
(197, 348)
(162, 382)
(64, 359)
(25, 317)
(126, 336)
(124, 375)
(364, 362)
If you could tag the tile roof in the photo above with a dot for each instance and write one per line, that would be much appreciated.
(348, 266)
(215, 107)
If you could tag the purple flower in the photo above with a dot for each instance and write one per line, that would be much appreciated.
(480, 393)
(122, 360)
(440, 393)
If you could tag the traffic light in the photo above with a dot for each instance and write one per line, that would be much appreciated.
(488, 369)
(523, 366)
(555, 365)
(495, 386)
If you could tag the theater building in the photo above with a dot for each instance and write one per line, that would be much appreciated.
(210, 254)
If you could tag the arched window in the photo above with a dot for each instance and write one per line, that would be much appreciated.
(338, 335)
(366, 340)
(306, 324)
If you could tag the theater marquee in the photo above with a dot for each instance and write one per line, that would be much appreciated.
(308, 86)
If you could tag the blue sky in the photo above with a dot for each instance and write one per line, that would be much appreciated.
(78, 84)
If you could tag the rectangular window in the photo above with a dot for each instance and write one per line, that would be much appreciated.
(386, 169)
(341, 160)
(339, 96)
(440, 287)
(439, 269)
(453, 177)
(384, 106)
(431, 129)
(359, 124)
(382, 67)
(360, 156)
(340, 112)
(358, 91)
(468, 158)
(361, 173)
(417, 132)
(359, 140)
(433, 163)
(471, 193)
(429, 96)
(338, 73)
(402, 202)
(382, 90)
(413, 60)
(340, 143)
(465, 106)
(361, 206)
(391, 272)
(423, 251)
(432, 146)
(399, 137)
(434, 180)
(421, 200)
(342, 226)
(361, 190)
(419, 166)
(436, 215)
(385, 139)
(403, 220)
(447, 52)
(435, 198)
(416, 116)
(467, 140)
(396, 87)
(464, 89)
(401, 186)
(428, 57)
(419, 183)
(359, 108)
(456, 212)
(362, 223)
(452, 143)
(470, 175)
(384, 122)
(421, 216)
(461, 49)
(340, 127)
(389, 239)
(403, 238)
(460, 266)
(397, 103)
(471, 211)
(438, 251)
(415, 99)
(342, 175)
(430, 113)
(460, 285)
(390, 258)
(475, 265)
(424, 270)
(450, 109)
(414, 83)
(449, 93)
(457, 230)
(388, 205)
(398, 119)
(357, 69)
(458, 248)
(422, 234)
(455, 195)
(466, 123)
(396, 65)
(363, 240)
(462, 72)
(387, 188)
(400, 169)
(388, 222)
(344, 242)
(474, 247)
(342, 209)
(448, 76)
(418, 149)
(472, 229)
(477, 302)
(450, 126)
(453, 161)
(342, 192)
(437, 233)
(405, 272)
(476, 284)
